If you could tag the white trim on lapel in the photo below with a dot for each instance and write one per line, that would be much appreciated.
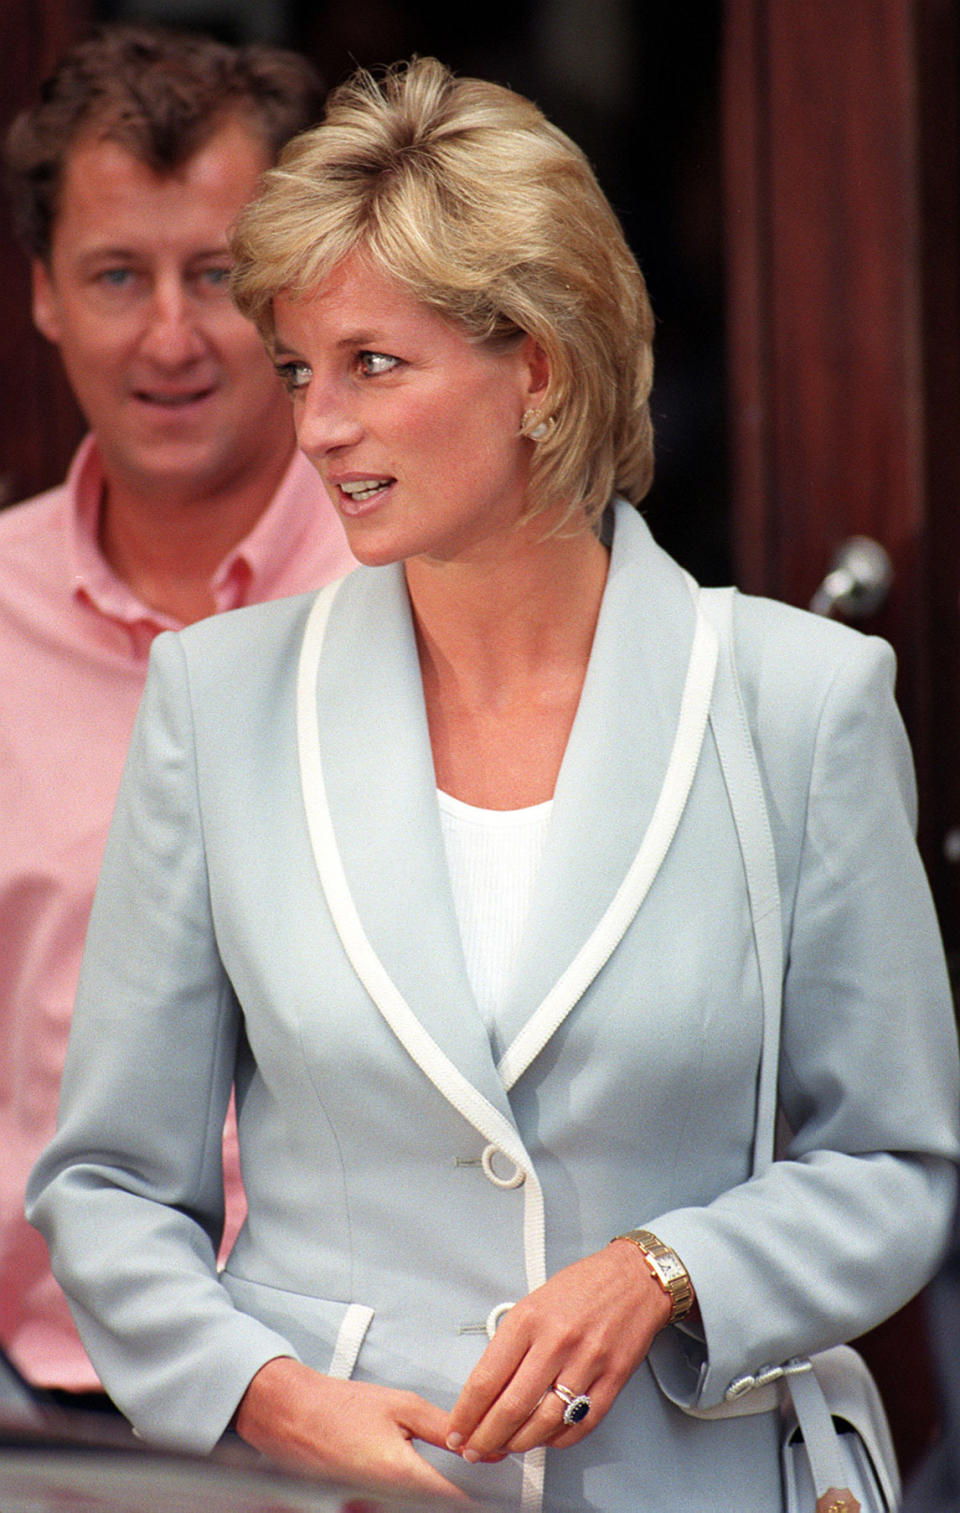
(420, 1045)
(596, 951)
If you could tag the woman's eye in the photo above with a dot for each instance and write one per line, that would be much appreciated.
(373, 363)
(293, 375)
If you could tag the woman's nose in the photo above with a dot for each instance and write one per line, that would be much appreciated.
(325, 420)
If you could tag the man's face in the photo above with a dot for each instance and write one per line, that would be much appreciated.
(173, 380)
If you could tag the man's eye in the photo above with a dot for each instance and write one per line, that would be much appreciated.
(293, 375)
(373, 363)
(216, 277)
(115, 278)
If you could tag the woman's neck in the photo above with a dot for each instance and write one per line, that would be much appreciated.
(504, 647)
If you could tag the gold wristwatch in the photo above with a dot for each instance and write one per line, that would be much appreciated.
(666, 1268)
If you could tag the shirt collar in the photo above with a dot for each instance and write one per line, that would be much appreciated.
(250, 571)
(258, 567)
(93, 578)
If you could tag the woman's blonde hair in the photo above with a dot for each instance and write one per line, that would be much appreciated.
(463, 192)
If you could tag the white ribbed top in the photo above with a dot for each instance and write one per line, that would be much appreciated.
(493, 856)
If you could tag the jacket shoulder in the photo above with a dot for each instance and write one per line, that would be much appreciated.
(223, 635)
(819, 697)
(792, 660)
(231, 659)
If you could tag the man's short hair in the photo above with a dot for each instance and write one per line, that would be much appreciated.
(161, 95)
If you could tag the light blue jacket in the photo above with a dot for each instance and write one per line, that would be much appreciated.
(274, 908)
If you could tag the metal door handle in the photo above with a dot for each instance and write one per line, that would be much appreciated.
(858, 581)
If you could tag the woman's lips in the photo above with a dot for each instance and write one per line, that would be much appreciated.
(356, 494)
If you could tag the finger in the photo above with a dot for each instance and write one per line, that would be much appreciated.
(547, 1427)
(542, 1427)
(423, 1420)
(490, 1378)
(522, 1402)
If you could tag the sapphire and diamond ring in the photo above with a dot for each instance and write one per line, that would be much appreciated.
(577, 1403)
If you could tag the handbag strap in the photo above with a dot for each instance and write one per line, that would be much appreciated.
(738, 759)
(744, 785)
(820, 1438)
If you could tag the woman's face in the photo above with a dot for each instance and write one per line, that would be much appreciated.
(413, 429)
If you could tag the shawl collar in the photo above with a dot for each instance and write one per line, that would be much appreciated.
(370, 793)
(613, 773)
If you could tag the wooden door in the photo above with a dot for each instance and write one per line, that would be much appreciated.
(39, 421)
(842, 196)
(841, 225)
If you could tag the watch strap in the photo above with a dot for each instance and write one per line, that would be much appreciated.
(666, 1268)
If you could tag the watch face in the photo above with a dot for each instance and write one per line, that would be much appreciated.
(670, 1268)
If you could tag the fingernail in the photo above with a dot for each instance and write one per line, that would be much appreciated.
(454, 1441)
(472, 1456)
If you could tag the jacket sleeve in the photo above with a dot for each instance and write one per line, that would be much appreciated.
(851, 1222)
(129, 1194)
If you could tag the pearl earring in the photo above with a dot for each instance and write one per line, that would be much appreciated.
(539, 431)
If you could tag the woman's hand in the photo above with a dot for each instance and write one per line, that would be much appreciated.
(348, 1431)
(588, 1327)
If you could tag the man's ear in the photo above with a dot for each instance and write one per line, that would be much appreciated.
(44, 302)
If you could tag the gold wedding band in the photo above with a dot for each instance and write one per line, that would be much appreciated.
(577, 1403)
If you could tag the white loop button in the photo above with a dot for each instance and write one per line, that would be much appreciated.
(516, 1177)
(494, 1317)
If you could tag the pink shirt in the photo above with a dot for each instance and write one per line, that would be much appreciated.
(74, 643)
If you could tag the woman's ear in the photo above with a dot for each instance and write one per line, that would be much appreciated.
(537, 372)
